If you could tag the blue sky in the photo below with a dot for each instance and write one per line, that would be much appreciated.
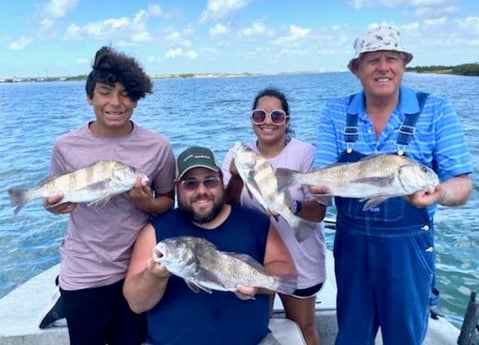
(40, 38)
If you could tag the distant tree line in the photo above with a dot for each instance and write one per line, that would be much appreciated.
(471, 69)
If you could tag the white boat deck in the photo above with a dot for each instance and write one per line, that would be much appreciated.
(20, 309)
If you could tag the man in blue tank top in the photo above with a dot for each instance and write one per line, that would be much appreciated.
(384, 256)
(176, 313)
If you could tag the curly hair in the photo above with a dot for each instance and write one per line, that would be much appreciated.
(110, 67)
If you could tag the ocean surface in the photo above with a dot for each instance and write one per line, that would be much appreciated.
(213, 112)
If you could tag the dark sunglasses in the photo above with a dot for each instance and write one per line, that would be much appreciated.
(209, 182)
(277, 116)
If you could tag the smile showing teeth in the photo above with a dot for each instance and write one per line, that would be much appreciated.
(267, 129)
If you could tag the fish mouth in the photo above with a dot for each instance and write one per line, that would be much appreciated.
(158, 253)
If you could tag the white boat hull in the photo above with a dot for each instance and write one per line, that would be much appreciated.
(20, 309)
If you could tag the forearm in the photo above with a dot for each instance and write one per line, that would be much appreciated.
(233, 189)
(312, 210)
(158, 205)
(455, 191)
(144, 290)
(161, 204)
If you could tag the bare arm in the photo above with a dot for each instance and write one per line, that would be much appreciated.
(453, 192)
(277, 261)
(146, 280)
(141, 196)
(312, 210)
(235, 185)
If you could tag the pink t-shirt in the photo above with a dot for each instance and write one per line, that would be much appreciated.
(308, 255)
(97, 246)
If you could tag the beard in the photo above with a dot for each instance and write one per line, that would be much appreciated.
(188, 211)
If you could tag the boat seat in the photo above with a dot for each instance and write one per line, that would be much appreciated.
(287, 332)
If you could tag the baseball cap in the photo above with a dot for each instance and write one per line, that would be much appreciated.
(379, 38)
(195, 157)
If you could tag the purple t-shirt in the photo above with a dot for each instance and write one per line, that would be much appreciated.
(309, 255)
(97, 246)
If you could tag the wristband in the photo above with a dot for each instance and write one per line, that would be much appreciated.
(299, 206)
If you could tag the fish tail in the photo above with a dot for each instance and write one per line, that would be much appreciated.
(285, 177)
(18, 198)
(286, 284)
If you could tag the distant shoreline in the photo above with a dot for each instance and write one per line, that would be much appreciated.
(470, 69)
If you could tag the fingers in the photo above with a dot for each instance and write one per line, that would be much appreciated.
(233, 169)
(53, 205)
(157, 269)
(245, 292)
(53, 199)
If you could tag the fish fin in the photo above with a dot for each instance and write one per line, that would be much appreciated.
(373, 202)
(376, 181)
(286, 284)
(249, 193)
(100, 202)
(98, 186)
(18, 198)
(371, 157)
(249, 260)
(195, 287)
(104, 198)
(252, 181)
(285, 177)
(204, 275)
(304, 229)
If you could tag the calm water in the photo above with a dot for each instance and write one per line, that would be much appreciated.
(212, 112)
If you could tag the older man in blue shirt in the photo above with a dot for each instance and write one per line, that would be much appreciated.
(385, 256)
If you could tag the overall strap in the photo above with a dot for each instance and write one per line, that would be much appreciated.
(408, 127)
(351, 129)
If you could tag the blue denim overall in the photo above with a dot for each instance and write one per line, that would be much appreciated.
(384, 262)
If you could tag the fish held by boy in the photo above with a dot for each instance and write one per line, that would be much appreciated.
(373, 179)
(204, 267)
(94, 185)
(259, 177)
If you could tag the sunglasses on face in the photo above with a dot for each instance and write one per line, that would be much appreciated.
(277, 116)
(193, 184)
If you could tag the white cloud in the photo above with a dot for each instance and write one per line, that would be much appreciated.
(218, 9)
(295, 36)
(191, 54)
(141, 37)
(218, 29)
(173, 53)
(21, 43)
(83, 61)
(297, 32)
(59, 8)
(73, 32)
(418, 8)
(178, 52)
(256, 28)
(156, 11)
(45, 24)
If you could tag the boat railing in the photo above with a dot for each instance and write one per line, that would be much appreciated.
(470, 326)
